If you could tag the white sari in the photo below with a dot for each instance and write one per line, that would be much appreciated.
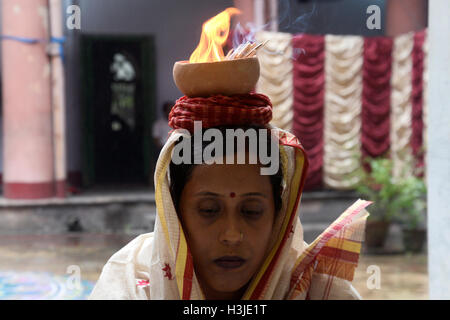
(159, 265)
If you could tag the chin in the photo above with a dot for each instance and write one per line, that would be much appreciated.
(228, 285)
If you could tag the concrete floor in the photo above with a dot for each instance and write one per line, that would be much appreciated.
(402, 276)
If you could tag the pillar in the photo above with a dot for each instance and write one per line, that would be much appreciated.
(27, 112)
(259, 7)
(438, 152)
(1, 112)
(246, 7)
(405, 15)
(58, 99)
(273, 15)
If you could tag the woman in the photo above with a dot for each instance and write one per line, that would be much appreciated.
(224, 230)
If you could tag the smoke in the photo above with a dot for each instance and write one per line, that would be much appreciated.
(288, 20)
(243, 34)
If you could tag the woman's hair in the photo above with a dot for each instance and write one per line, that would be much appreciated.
(181, 173)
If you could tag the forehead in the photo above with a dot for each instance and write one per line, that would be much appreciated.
(229, 177)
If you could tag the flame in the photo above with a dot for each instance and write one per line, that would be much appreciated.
(214, 35)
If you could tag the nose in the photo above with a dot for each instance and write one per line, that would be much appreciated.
(231, 234)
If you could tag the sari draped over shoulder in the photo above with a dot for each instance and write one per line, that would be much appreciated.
(159, 265)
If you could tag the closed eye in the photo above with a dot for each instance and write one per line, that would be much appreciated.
(208, 207)
(252, 213)
(209, 211)
(253, 209)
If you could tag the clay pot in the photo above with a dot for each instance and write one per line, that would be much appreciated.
(226, 77)
(414, 239)
(376, 233)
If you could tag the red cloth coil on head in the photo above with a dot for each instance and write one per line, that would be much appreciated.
(219, 110)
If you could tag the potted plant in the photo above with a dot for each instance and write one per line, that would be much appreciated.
(412, 214)
(377, 185)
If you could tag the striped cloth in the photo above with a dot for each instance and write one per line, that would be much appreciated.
(219, 110)
(333, 255)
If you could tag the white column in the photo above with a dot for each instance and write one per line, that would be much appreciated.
(273, 15)
(438, 154)
(259, 16)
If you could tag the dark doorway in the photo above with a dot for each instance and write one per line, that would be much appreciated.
(119, 93)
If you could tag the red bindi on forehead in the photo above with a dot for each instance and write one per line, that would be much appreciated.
(232, 194)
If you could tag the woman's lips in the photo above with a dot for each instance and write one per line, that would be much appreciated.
(229, 262)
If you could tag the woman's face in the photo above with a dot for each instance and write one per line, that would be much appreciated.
(228, 213)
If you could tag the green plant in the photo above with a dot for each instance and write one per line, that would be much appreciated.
(402, 198)
(378, 185)
(412, 202)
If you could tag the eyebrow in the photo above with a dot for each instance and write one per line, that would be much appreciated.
(212, 194)
(250, 194)
(208, 193)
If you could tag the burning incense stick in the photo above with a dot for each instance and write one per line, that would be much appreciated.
(237, 51)
(245, 50)
(252, 52)
(229, 54)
